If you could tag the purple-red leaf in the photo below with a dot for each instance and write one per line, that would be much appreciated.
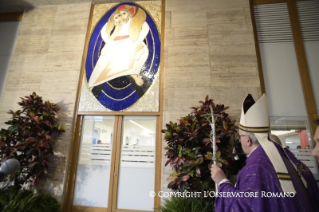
(33, 163)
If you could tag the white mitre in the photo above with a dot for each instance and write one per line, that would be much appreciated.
(254, 115)
(255, 119)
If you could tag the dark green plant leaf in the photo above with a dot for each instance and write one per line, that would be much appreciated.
(189, 148)
(28, 138)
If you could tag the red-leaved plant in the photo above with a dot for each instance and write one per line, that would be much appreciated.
(28, 138)
(189, 147)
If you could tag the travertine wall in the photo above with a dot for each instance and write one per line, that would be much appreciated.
(47, 60)
(209, 50)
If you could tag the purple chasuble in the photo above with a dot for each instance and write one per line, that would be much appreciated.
(312, 187)
(258, 189)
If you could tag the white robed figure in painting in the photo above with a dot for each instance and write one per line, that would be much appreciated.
(124, 52)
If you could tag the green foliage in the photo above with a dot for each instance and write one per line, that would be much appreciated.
(28, 138)
(183, 204)
(189, 147)
(15, 200)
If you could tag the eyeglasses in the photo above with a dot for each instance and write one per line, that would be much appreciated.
(238, 137)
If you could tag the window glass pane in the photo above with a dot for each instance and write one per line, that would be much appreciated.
(282, 80)
(309, 23)
(312, 52)
(137, 163)
(286, 102)
(294, 134)
(279, 61)
(93, 170)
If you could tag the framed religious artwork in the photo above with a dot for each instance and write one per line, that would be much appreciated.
(122, 58)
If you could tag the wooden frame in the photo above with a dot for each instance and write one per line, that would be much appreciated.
(77, 121)
(114, 169)
(303, 65)
(116, 165)
(16, 16)
(71, 173)
(74, 146)
(255, 2)
(260, 69)
(300, 54)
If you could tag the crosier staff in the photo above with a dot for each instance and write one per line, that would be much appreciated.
(213, 137)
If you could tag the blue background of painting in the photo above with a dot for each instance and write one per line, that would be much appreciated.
(149, 70)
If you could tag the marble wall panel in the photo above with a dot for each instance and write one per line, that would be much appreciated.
(169, 37)
(70, 20)
(34, 44)
(187, 77)
(10, 101)
(67, 61)
(188, 56)
(59, 81)
(69, 28)
(187, 5)
(47, 60)
(39, 16)
(191, 36)
(226, 4)
(74, 13)
(25, 80)
(227, 75)
(240, 26)
(35, 30)
(165, 58)
(233, 56)
(32, 29)
(209, 50)
(66, 43)
(188, 19)
(27, 62)
(233, 96)
(186, 98)
(167, 20)
(226, 16)
(230, 37)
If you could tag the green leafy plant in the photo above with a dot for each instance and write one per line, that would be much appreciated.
(189, 147)
(29, 138)
(15, 200)
(183, 204)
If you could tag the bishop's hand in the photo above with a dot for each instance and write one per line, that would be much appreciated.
(217, 174)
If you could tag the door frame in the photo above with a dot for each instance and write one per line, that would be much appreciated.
(77, 121)
(115, 165)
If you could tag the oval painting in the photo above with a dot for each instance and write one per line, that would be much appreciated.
(123, 56)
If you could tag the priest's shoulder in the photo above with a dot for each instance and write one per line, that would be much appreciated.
(258, 161)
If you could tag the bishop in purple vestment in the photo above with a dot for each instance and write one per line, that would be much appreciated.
(269, 174)
(259, 176)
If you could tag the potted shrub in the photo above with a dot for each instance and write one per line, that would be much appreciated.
(29, 139)
(189, 148)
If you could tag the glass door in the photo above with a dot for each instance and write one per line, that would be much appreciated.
(94, 163)
(116, 164)
(137, 163)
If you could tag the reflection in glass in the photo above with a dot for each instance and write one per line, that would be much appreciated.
(137, 163)
(293, 133)
(93, 170)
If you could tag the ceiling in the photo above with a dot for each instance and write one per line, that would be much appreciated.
(21, 5)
